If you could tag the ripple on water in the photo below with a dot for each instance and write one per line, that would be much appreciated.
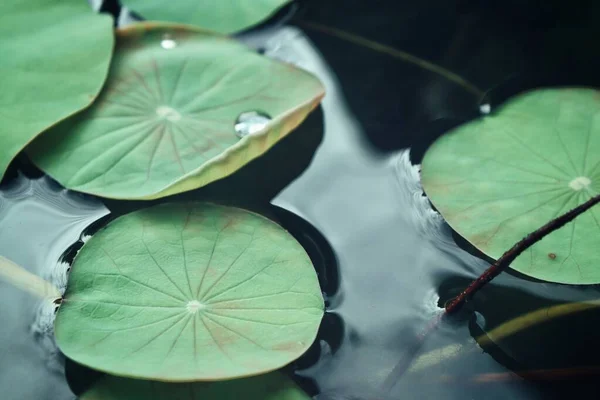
(39, 221)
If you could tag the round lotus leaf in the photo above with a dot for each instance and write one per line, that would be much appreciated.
(272, 386)
(224, 16)
(47, 72)
(189, 292)
(181, 108)
(503, 176)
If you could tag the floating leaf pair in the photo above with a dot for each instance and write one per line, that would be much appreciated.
(54, 59)
(166, 120)
(501, 177)
(184, 292)
(172, 293)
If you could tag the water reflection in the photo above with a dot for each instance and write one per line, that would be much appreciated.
(394, 254)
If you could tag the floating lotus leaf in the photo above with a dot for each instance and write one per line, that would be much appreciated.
(501, 177)
(273, 386)
(54, 60)
(170, 118)
(184, 292)
(225, 16)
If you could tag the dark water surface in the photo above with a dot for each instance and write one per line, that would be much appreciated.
(345, 186)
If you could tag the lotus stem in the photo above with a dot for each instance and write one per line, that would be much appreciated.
(509, 256)
(396, 53)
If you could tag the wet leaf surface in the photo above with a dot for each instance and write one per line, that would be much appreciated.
(503, 176)
(168, 120)
(183, 292)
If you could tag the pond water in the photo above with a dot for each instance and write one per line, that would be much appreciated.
(346, 185)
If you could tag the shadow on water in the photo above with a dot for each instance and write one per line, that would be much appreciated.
(343, 184)
(500, 47)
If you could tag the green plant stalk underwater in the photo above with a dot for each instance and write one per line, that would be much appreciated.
(169, 297)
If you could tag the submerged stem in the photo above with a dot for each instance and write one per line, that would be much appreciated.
(539, 375)
(509, 256)
(507, 329)
(404, 364)
(393, 52)
(25, 280)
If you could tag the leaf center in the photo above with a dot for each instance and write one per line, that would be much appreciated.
(580, 183)
(193, 306)
(168, 113)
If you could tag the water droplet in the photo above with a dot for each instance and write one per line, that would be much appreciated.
(485, 109)
(580, 183)
(167, 42)
(168, 113)
(251, 122)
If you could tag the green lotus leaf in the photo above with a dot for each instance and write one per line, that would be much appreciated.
(501, 177)
(166, 120)
(190, 292)
(47, 72)
(272, 386)
(224, 16)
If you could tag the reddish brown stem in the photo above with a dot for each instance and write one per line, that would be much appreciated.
(507, 258)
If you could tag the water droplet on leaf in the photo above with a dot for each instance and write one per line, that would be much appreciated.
(168, 43)
(251, 122)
